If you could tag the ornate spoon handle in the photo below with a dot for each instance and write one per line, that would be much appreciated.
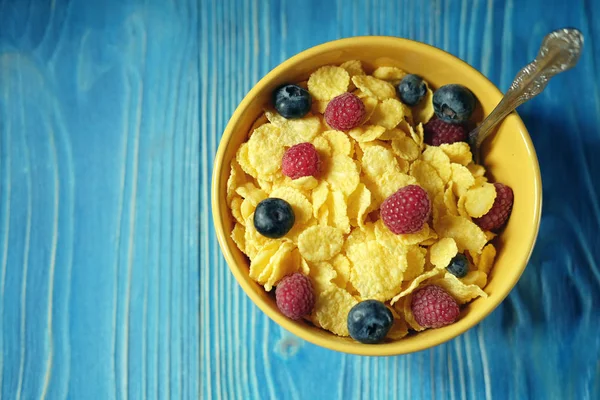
(559, 52)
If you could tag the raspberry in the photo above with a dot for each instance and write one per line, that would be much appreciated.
(500, 211)
(439, 132)
(301, 160)
(344, 112)
(407, 210)
(294, 295)
(433, 307)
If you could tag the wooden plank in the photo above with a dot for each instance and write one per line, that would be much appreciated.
(99, 188)
(111, 281)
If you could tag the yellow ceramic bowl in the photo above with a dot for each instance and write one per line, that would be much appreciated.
(509, 157)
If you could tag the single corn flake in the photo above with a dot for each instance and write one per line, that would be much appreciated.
(319, 197)
(423, 111)
(406, 305)
(322, 146)
(358, 205)
(486, 260)
(320, 243)
(415, 257)
(304, 267)
(427, 177)
(331, 310)
(366, 133)
(462, 211)
(475, 278)
(458, 152)
(392, 134)
(389, 73)
(476, 170)
(236, 209)
(374, 87)
(406, 148)
(467, 235)
(462, 179)
(341, 172)
(479, 200)
(442, 252)
(339, 143)
(450, 201)
(389, 113)
(328, 82)
(376, 272)
(353, 67)
(302, 208)
(300, 130)
(265, 150)
(304, 183)
(457, 289)
(479, 181)
(275, 118)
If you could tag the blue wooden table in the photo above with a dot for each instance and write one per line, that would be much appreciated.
(112, 285)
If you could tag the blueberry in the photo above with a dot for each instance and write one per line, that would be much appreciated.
(453, 103)
(292, 101)
(369, 321)
(459, 266)
(273, 217)
(411, 89)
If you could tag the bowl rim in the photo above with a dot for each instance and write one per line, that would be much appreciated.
(384, 349)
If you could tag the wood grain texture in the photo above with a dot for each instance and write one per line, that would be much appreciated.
(111, 281)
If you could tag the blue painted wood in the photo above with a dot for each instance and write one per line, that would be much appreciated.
(111, 281)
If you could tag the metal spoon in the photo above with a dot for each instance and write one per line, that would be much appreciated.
(559, 52)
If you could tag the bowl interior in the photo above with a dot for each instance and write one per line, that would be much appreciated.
(509, 157)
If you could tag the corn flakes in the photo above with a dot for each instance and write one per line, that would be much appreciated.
(442, 252)
(374, 87)
(389, 73)
(331, 310)
(341, 173)
(320, 243)
(479, 200)
(389, 113)
(461, 292)
(328, 82)
(467, 235)
(376, 272)
(458, 152)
